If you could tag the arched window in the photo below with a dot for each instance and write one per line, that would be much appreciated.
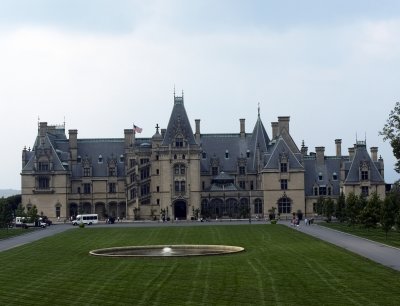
(258, 209)
(284, 205)
(58, 210)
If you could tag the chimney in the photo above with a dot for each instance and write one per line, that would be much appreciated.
(320, 152)
(275, 129)
(128, 133)
(242, 128)
(374, 153)
(338, 143)
(304, 150)
(197, 135)
(73, 144)
(351, 153)
(283, 123)
(24, 157)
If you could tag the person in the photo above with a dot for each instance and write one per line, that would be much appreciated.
(118, 219)
(306, 221)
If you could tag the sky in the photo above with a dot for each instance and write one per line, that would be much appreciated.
(100, 66)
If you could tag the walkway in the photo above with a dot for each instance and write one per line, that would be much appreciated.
(378, 252)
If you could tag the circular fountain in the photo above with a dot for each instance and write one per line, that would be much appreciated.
(182, 250)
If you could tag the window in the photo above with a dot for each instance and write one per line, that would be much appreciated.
(251, 185)
(322, 190)
(133, 193)
(329, 191)
(79, 159)
(364, 191)
(44, 182)
(158, 171)
(86, 188)
(284, 185)
(121, 158)
(145, 173)
(58, 211)
(132, 177)
(214, 171)
(79, 190)
(364, 175)
(180, 186)
(144, 161)
(242, 184)
(334, 176)
(248, 153)
(183, 156)
(204, 155)
(315, 191)
(203, 185)
(157, 157)
(86, 171)
(179, 142)
(100, 160)
(320, 176)
(132, 163)
(112, 188)
(179, 169)
(226, 154)
(43, 166)
(284, 206)
(242, 170)
(158, 201)
(258, 209)
(144, 189)
(283, 167)
(111, 171)
(158, 188)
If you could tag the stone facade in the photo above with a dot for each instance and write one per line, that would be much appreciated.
(179, 174)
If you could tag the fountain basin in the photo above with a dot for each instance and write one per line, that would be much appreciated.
(181, 250)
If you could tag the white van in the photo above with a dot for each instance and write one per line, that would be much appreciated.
(88, 219)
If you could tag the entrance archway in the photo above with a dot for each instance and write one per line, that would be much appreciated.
(180, 210)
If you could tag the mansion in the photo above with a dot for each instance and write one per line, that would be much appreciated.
(183, 175)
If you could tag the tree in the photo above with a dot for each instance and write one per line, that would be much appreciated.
(340, 212)
(387, 215)
(329, 209)
(32, 214)
(320, 206)
(6, 216)
(391, 132)
(352, 208)
(369, 216)
(20, 211)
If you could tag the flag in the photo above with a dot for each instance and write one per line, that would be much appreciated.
(137, 129)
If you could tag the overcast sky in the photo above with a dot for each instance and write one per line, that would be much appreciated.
(332, 66)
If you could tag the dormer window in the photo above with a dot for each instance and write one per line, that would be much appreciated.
(320, 176)
(248, 153)
(334, 176)
(79, 159)
(203, 155)
(364, 175)
(111, 171)
(43, 166)
(226, 154)
(121, 158)
(100, 159)
(284, 167)
(179, 142)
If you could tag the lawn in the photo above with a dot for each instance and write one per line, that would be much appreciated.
(280, 266)
(377, 234)
(11, 232)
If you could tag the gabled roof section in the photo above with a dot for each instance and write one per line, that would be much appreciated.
(361, 155)
(273, 158)
(259, 139)
(179, 124)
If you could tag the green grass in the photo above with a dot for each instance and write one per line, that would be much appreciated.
(280, 266)
(377, 234)
(11, 232)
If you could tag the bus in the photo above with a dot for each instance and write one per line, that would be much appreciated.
(88, 219)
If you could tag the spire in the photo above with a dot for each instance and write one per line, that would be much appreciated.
(258, 109)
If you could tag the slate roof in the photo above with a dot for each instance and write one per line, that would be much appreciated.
(272, 158)
(353, 167)
(259, 139)
(330, 167)
(178, 124)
